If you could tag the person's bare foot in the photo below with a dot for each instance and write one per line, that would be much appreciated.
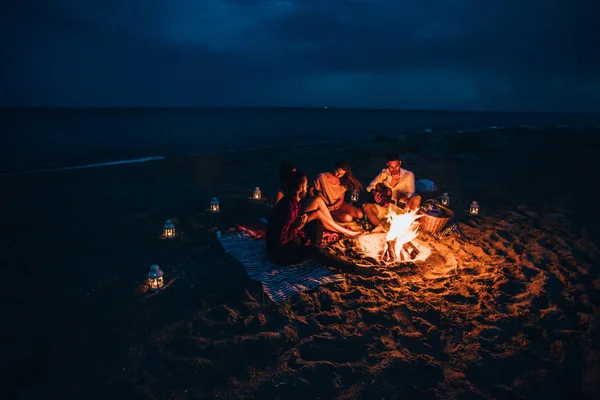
(378, 229)
(349, 232)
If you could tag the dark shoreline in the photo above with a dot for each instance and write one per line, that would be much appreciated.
(123, 155)
(60, 137)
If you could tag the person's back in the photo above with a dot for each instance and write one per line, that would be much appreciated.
(288, 232)
(284, 174)
(330, 191)
(280, 234)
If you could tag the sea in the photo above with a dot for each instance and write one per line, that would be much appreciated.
(42, 139)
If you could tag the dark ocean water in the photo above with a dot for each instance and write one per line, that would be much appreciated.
(51, 138)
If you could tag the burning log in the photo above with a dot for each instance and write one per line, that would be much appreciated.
(411, 250)
(396, 246)
(374, 247)
(407, 252)
(389, 253)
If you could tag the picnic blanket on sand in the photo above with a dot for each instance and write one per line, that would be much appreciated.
(278, 282)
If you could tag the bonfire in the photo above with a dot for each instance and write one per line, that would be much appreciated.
(398, 244)
(399, 239)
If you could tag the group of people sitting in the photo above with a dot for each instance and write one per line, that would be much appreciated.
(302, 211)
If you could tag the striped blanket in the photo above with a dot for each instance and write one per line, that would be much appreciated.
(278, 282)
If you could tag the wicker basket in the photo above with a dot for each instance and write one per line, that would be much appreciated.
(435, 224)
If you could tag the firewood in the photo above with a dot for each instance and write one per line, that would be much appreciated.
(390, 252)
(413, 250)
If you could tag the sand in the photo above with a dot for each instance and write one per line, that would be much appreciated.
(509, 309)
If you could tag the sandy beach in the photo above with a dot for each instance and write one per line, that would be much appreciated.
(507, 310)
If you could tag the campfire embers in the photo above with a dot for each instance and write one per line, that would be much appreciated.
(398, 245)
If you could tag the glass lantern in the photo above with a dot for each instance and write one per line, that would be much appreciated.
(354, 196)
(169, 229)
(445, 200)
(474, 208)
(155, 278)
(257, 194)
(214, 205)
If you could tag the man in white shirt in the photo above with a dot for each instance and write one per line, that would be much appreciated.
(399, 184)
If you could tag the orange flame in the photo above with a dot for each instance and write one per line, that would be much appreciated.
(403, 228)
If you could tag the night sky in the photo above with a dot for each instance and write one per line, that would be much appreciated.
(512, 55)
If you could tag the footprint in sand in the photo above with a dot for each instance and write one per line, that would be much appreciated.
(477, 251)
(457, 298)
(334, 349)
(490, 334)
(498, 249)
(402, 372)
(451, 260)
(511, 288)
(436, 290)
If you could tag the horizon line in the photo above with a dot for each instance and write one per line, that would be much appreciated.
(4, 108)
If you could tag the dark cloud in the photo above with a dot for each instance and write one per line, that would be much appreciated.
(460, 54)
(502, 35)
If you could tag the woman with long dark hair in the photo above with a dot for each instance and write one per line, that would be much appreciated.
(311, 204)
(332, 187)
(284, 173)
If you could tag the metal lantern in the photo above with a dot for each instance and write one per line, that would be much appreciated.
(474, 208)
(155, 278)
(445, 200)
(354, 196)
(169, 229)
(257, 194)
(214, 205)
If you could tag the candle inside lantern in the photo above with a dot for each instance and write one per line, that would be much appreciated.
(445, 199)
(169, 229)
(354, 196)
(474, 208)
(214, 205)
(257, 194)
(155, 278)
